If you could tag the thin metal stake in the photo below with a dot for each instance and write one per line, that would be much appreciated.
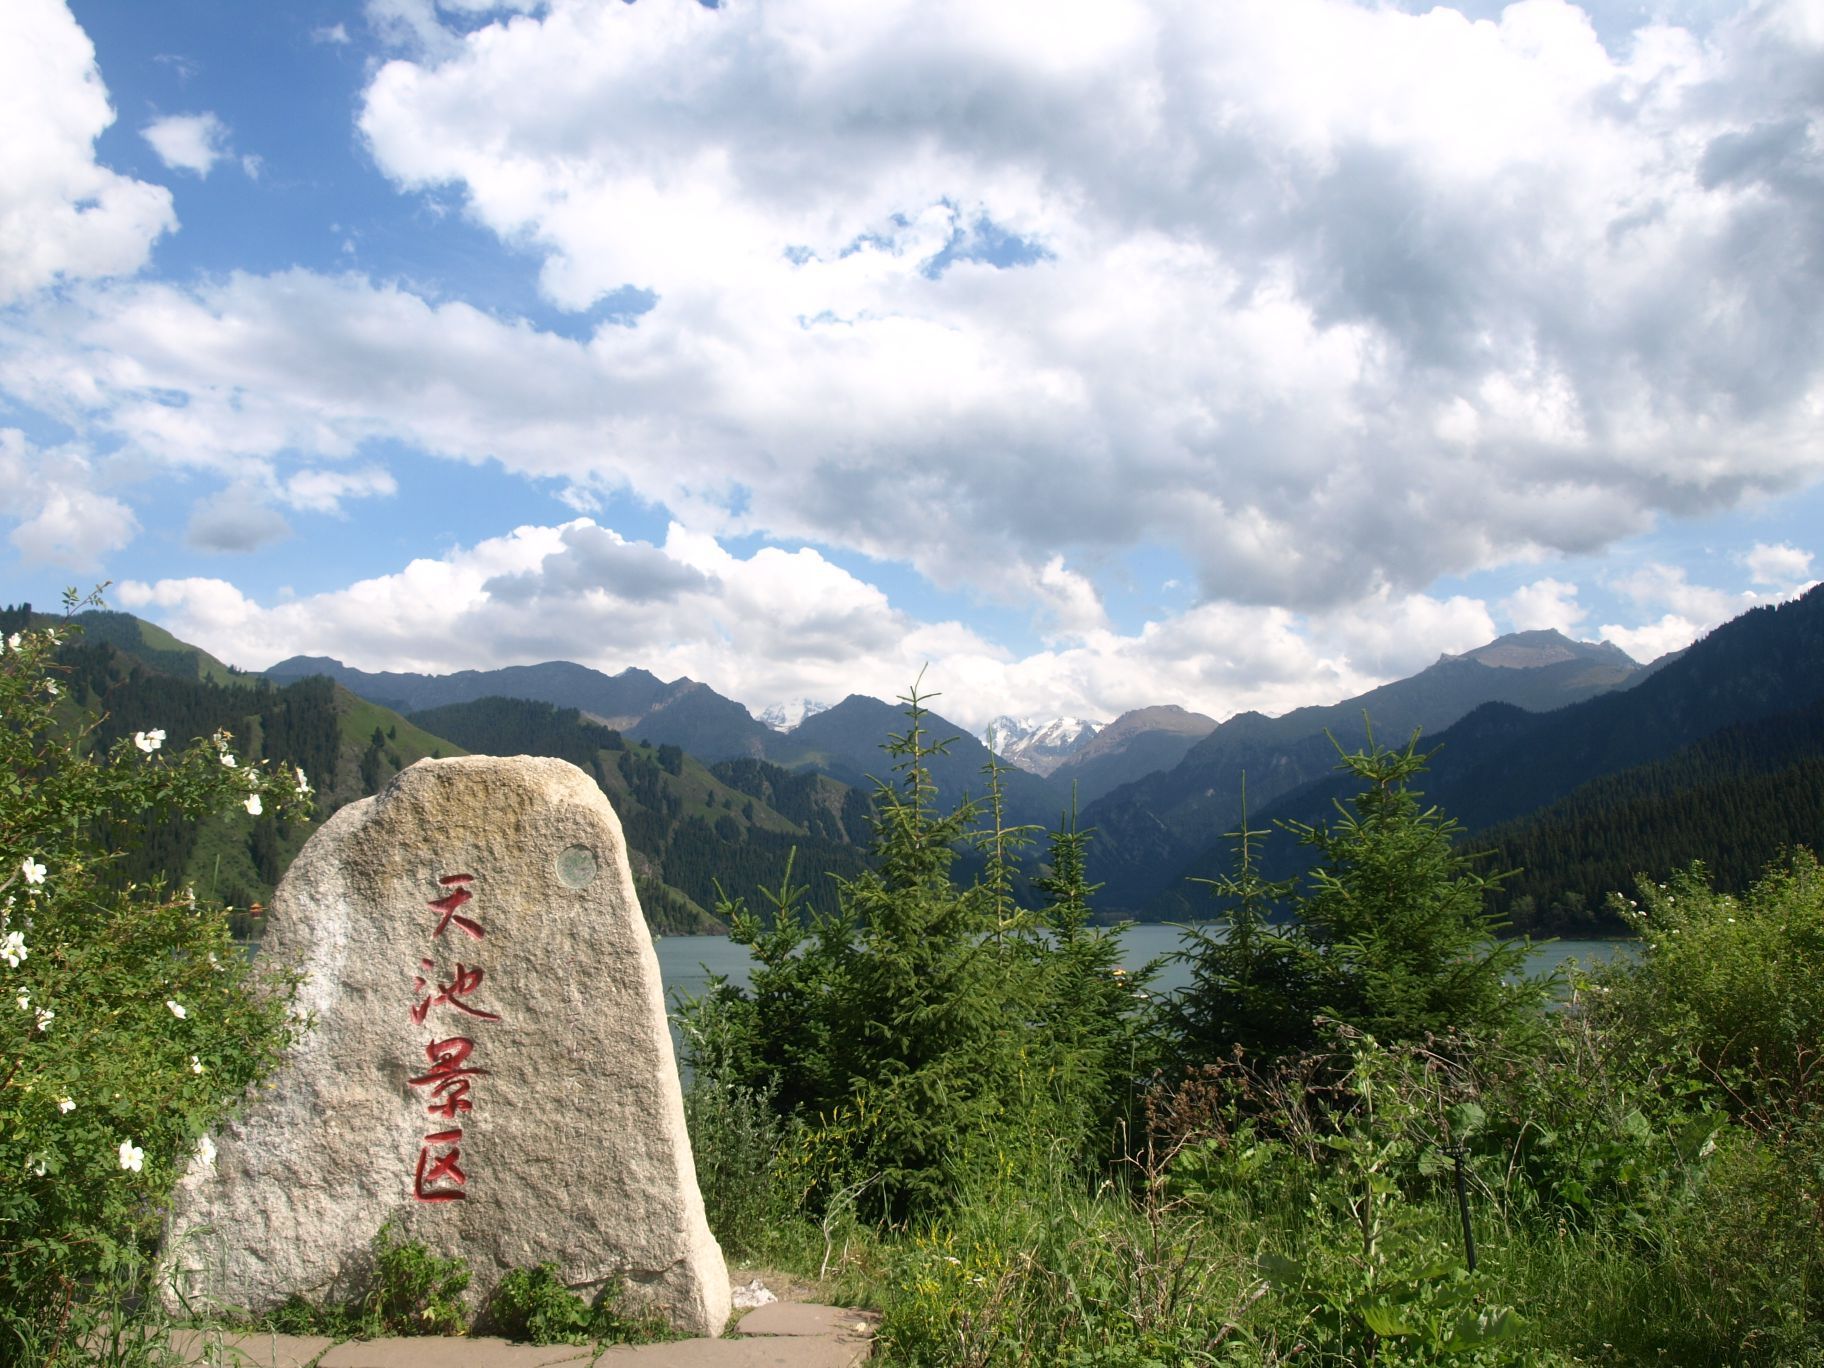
(1469, 1238)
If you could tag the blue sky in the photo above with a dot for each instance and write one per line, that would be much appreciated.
(1088, 356)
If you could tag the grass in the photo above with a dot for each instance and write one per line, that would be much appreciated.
(1339, 1247)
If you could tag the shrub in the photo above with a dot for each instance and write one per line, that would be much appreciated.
(129, 1023)
(408, 1291)
(1723, 1011)
(1733, 986)
(736, 1139)
(536, 1306)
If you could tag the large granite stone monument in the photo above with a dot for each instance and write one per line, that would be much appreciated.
(489, 1067)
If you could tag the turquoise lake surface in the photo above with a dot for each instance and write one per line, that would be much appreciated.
(686, 962)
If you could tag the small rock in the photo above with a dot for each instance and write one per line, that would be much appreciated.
(756, 1293)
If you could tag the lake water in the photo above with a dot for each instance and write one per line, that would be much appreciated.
(686, 962)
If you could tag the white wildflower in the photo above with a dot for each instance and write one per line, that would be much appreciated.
(45, 1017)
(178, 1009)
(131, 1156)
(214, 963)
(12, 949)
(50, 686)
(25, 1001)
(205, 1150)
(33, 871)
(228, 759)
(303, 783)
(149, 741)
(38, 1168)
(66, 1105)
(196, 1065)
(252, 805)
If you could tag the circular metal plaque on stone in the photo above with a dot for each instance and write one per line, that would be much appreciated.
(576, 867)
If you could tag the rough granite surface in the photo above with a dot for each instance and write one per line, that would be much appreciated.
(491, 1074)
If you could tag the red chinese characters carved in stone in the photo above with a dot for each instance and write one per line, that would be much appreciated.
(451, 901)
(466, 981)
(448, 1077)
(434, 1168)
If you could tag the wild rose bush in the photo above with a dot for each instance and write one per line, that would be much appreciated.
(130, 1024)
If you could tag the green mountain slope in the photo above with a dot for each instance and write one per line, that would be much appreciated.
(687, 828)
(346, 746)
(155, 647)
(1734, 800)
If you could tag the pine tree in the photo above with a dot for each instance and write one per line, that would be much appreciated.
(1096, 1018)
(1391, 933)
(1253, 984)
(892, 1027)
(922, 1013)
(1397, 913)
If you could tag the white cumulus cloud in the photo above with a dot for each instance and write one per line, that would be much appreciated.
(1301, 252)
(323, 491)
(60, 518)
(1780, 565)
(1690, 609)
(1545, 603)
(1330, 299)
(63, 216)
(777, 625)
(188, 142)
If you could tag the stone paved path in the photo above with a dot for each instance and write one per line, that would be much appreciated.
(782, 1335)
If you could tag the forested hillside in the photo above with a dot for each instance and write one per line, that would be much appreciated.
(687, 828)
(140, 679)
(1735, 801)
(1713, 756)
(634, 702)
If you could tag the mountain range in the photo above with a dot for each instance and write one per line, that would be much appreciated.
(1150, 828)
(1573, 758)
(1158, 784)
(634, 702)
(1737, 713)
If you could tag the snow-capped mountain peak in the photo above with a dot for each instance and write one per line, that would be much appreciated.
(785, 716)
(1040, 745)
